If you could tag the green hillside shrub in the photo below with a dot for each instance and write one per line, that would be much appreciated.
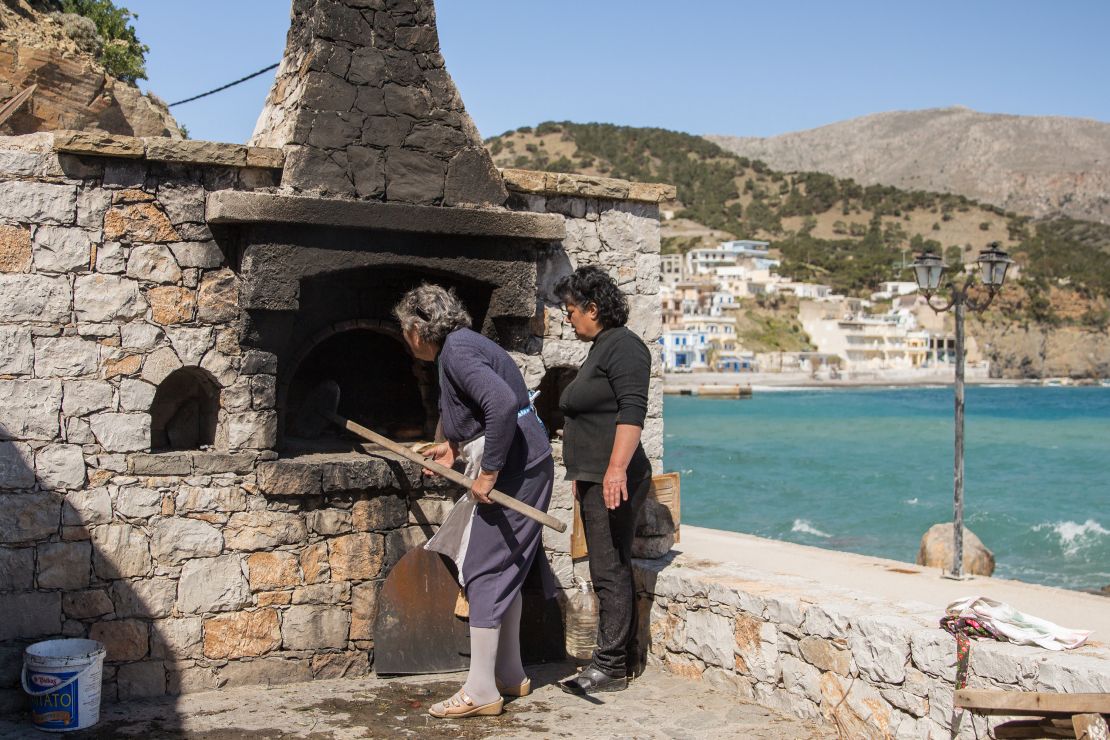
(122, 55)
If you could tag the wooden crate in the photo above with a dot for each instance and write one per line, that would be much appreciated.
(665, 489)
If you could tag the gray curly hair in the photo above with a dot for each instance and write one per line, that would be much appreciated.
(433, 311)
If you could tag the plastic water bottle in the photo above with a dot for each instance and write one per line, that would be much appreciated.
(581, 627)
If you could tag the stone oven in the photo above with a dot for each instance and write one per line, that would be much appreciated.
(365, 110)
(336, 323)
(170, 305)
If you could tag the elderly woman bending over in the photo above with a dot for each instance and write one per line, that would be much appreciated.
(482, 394)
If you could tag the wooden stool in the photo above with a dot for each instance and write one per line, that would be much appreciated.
(1079, 716)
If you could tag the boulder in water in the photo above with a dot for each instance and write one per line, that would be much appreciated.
(936, 551)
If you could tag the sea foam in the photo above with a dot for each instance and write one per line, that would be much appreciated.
(806, 527)
(1074, 537)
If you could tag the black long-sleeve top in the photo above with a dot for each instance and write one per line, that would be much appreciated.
(611, 388)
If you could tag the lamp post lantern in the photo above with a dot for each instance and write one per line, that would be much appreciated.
(928, 271)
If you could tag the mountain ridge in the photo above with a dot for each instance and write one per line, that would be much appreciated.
(1038, 165)
(1053, 318)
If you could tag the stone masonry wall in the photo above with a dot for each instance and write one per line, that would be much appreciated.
(111, 279)
(872, 668)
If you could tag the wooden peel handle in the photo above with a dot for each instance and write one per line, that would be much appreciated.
(452, 475)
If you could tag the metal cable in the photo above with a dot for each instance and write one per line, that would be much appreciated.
(224, 87)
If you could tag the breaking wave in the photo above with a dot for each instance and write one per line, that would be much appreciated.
(1073, 537)
(806, 527)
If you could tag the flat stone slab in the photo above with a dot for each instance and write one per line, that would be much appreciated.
(587, 186)
(162, 149)
(656, 705)
(311, 474)
(188, 463)
(241, 207)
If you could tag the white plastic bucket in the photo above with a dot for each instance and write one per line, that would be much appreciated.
(62, 677)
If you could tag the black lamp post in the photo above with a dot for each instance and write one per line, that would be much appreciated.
(928, 270)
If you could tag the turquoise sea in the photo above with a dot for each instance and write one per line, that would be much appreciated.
(869, 471)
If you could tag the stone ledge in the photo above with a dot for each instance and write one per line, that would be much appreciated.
(320, 473)
(562, 183)
(161, 149)
(187, 463)
(237, 207)
(97, 143)
(823, 652)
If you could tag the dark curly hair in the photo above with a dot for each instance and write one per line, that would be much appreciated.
(591, 284)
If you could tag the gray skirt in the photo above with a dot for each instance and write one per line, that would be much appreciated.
(503, 544)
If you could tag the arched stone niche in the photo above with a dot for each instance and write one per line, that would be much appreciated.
(185, 411)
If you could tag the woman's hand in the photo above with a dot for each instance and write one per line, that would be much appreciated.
(443, 453)
(615, 487)
(483, 484)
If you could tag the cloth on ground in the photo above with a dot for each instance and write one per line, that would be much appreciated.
(963, 629)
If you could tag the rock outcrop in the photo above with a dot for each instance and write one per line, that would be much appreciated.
(1035, 165)
(73, 91)
(936, 551)
(1034, 351)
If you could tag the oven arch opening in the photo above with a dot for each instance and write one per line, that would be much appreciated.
(381, 387)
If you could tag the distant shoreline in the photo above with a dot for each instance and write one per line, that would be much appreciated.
(678, 382)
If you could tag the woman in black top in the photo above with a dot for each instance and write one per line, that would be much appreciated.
(605, 407)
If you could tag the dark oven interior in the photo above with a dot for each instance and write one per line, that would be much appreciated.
(344, 332)
(320, 300)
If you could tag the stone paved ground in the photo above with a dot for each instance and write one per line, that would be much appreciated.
(657, 705)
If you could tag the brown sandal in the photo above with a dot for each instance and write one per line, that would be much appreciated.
(460, 705)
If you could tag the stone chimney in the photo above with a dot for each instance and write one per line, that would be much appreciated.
(364, 108)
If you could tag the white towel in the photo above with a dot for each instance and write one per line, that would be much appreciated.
(454, 534)
(1016, 626)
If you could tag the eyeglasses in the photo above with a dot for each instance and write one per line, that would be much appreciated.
(571, 308)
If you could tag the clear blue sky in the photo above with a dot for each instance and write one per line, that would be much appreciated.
(716, 66)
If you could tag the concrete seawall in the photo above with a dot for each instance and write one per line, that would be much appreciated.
(850, 639)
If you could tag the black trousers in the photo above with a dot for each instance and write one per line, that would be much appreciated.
(609, 535)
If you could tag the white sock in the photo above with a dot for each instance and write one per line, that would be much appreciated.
(480, 684)
(510, 669)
